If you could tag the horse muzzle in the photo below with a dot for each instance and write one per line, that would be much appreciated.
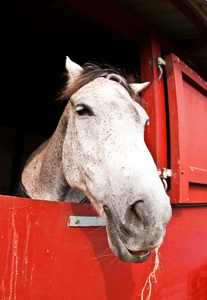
(131, 247)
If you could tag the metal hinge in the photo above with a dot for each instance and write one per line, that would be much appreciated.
(160, 64)
(78, 221)
(164, 175)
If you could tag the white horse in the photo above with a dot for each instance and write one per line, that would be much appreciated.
(98, 151)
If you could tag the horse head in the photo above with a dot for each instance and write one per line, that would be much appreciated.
(98, 149)
(104, 156)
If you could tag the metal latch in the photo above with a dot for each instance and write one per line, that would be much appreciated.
(79, 221)
(160, 64)
(164, 174)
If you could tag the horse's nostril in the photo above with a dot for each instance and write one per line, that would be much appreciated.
(137, 211)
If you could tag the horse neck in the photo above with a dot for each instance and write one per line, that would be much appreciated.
(43, 175)
(51, 172)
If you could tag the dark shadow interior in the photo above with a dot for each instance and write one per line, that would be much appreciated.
(36, 38)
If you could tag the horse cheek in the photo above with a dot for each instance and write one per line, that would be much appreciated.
(71, 168)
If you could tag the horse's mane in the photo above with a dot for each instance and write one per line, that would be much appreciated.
(93, 71)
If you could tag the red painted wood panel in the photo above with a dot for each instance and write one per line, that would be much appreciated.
(43, 258)
(188, 129)
(154, 99)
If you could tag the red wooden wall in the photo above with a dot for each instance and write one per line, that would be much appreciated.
(187, 93)
(43, 258)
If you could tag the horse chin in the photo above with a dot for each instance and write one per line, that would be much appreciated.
(125, 254)
(118, 246)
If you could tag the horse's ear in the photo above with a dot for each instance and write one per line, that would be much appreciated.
(138, 87)
(74, 70)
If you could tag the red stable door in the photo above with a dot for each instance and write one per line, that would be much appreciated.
(42, 257)
(187, 95)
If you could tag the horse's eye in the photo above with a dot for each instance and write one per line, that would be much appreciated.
(83, 110)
